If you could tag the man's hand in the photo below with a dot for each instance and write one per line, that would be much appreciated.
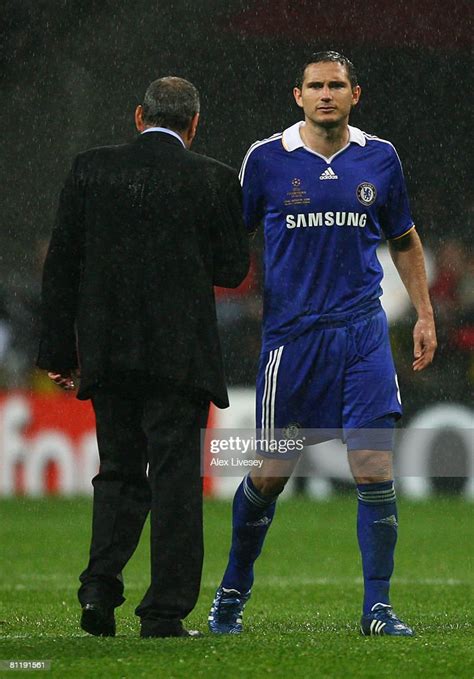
(407, 255)
(424, 343)
(67, 381)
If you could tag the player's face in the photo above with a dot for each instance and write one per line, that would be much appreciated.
(326, 96)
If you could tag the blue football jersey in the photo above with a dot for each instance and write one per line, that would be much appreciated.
(323, 219)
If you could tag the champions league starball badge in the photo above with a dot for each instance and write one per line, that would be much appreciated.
(366, 193)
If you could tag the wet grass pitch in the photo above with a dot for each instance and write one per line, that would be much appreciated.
(302, 620)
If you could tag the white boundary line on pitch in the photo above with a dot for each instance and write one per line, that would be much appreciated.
(48, 637)
(278, 581)
(269, 581)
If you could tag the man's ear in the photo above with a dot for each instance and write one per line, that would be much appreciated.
(194, 124)
(140, 125)
(356, 92)
(191, 131)
(297, 96)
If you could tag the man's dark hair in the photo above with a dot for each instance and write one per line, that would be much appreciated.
(170, 102)
(337, 57)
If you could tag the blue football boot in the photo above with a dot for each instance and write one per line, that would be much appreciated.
(382, 621)
(225, 616)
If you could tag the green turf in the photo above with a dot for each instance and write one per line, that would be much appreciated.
(301, 622)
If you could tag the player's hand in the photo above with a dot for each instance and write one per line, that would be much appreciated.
(424, 343)
(67, 381)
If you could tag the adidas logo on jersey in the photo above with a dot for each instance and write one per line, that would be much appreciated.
(328, 174)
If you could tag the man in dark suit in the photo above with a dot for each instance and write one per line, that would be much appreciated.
(143, 233)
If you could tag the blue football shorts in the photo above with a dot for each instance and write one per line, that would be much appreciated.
(338, 376)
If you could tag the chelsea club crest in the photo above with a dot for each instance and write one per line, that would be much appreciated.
(291, 431)
(366, 193)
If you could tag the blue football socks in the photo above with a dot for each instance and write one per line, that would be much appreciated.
(377, 523)
(252, 514)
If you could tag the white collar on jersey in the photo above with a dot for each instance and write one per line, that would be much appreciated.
(291, 139)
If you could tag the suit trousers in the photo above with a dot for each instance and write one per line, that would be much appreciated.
(149, 450)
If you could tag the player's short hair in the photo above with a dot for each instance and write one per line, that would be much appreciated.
(329, 55)
(170, 102)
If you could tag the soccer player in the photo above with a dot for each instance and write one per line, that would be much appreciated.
(327, 193)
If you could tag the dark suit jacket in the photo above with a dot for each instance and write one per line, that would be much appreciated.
(143, 233)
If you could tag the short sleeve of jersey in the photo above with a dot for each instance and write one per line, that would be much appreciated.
(253, 199)
(396, 218)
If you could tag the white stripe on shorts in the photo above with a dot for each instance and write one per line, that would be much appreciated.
(268, 368)
(269, 393)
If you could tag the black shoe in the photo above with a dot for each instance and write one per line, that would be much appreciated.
(98, 620)
(151, 629)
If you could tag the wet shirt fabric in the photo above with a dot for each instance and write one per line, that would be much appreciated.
(323, 219)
